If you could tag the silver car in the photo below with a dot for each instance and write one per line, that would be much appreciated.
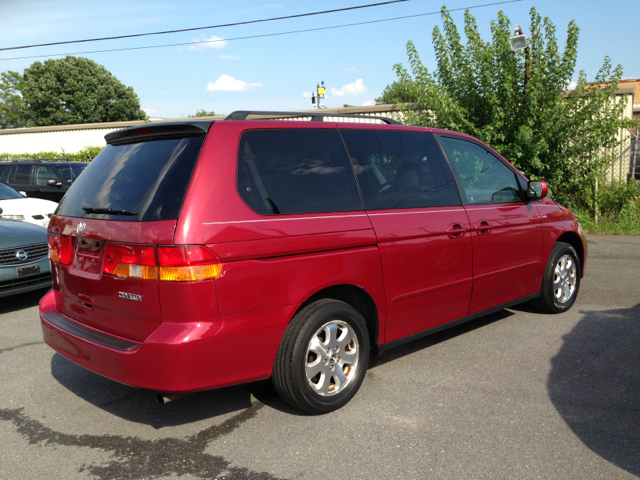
(24, 259)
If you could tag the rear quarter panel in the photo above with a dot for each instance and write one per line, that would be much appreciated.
(272, 261)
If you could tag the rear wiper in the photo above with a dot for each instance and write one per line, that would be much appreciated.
(110, 211)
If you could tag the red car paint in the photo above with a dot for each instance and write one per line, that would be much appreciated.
(419, 268)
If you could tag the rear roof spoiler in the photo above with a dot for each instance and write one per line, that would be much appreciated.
(158, 131)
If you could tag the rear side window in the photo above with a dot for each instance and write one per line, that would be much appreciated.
(399, 169)
(22, 175)
(144, 181)
(296, 171)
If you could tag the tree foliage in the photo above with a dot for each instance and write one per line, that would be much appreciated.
(12, 107)
(479, 88)
(76, 90)
(203, 113)
(401, 91)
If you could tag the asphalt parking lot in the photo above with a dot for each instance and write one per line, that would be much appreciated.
(517, 394)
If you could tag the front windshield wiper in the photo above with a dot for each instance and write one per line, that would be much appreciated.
(110, 211)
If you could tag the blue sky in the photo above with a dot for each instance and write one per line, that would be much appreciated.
(278, 73)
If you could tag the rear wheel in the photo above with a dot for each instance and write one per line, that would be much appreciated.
(561, 281)
(323, 357)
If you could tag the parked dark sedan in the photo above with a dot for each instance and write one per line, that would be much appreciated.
(24, 260)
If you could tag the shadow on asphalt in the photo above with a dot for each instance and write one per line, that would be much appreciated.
(443, 336)
(139, 405)
(594, 384)
(14, 303)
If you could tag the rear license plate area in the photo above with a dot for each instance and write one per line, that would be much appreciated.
(28, 270)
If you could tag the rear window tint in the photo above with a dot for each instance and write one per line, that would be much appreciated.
(149, 179)
(296, 171)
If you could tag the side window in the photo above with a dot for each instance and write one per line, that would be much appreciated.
(296, 171)
(3, 170)
(22, 175)
(399, 169)
(44, 174)
(485, 178)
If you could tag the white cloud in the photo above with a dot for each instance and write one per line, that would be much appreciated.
(227, 83)
(572, 86)
(211, 43)
(230, 57)
(307, 94)
(351, 70)
(368, 103)
(150, 111)
(353, 88)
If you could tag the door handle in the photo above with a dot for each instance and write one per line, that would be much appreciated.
(483, 227)
(456, 230)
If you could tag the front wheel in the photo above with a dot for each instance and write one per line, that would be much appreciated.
(561, 281)
(323, 357)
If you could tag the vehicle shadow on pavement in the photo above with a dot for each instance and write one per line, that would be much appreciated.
(139, 405)
(594, 384)
(443, 336)
(21, 301)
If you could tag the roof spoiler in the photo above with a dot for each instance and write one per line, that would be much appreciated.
(144, 133)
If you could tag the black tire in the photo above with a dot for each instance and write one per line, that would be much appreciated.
(296, 357)
(549, 301)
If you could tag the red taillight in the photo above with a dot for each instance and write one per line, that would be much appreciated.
(60, 248)
(130, 261)
(175, 264)
(188, 263)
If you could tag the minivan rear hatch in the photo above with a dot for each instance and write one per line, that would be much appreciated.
(106, 230)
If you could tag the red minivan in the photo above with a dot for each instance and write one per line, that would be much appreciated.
(199, 254)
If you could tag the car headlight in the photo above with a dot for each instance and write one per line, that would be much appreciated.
(12, 217)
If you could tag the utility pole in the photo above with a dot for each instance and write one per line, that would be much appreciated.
(320, 91)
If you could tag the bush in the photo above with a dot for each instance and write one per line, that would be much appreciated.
(619, 208)
(84, 155)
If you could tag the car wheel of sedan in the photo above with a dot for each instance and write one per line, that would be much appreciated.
(323, 357)
(561, 280)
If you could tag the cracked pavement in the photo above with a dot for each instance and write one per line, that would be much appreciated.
(516, 394)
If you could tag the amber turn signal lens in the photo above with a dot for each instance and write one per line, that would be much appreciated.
(190, 274)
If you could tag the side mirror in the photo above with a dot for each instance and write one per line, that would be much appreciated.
(537, 189)
(0, 211)
(53, 183)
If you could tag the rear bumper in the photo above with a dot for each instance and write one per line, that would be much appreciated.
(177, 357)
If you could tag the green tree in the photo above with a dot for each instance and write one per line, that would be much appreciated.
(480, 88)
(401, 91)
(12, 107)
(203, 113)
(76, 90)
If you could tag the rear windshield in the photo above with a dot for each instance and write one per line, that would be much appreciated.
(8, 193)
(139, 182)
(71, 172)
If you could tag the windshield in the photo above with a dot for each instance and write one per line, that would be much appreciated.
(8, 193)
(71, 171)
(142, 182)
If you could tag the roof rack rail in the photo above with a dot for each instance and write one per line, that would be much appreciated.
(315, 117)
(22, 160)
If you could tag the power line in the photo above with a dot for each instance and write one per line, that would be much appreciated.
(266, 34)
(248, 22)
